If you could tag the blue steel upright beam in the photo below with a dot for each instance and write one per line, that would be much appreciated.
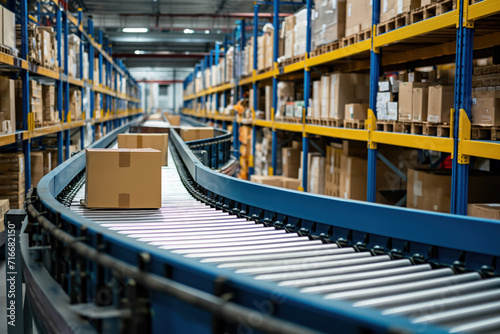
(80, 69)
(307, 95)
(28, 120)
(251, 169)
(371, 191)
(59, 85)
(462, 113)
(90, 32)
(101, 106)
(276, 23)
(216, 60)
(67, 113)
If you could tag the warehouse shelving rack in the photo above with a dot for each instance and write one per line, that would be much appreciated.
(128, 105)
(458, 26)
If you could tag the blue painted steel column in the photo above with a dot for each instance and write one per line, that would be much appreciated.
(276, 23)
(100, 76)
(26, 93)
(67, 114)
(80, 35)
(90, 32)
(371, 191)
(463, 100)
(251, 170)
(59, 86)
(307, 95)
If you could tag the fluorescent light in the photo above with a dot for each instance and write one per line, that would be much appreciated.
(207, 32)
(187, 52)
(139, 52)
(135, 30)
(188, 31)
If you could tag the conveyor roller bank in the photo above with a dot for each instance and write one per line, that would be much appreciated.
(223, 255)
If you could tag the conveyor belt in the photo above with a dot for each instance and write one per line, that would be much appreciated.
(459, 302)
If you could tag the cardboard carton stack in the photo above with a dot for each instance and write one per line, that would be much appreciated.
(300, 29)
(487, 211)
(328, 21)
(387, 105)
(34, 49)
(35, 101)
(486, 106)
(4, 207)
(291, 160)
(12, 186)
(8, 25)
(430, 189)
(50, 114)
(263, 153)
(358, 16)
(334, 91)
(332, 169)
(245, 138)
(75, 103)
(441, 99)
(389, 9)
(288, 34)
(37, 167)
(316, 173)
(7, 106)
(157, 141)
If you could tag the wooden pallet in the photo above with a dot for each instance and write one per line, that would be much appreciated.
(267, 69)
(8, 50)
(434, 9)
(354, 124)
(50, 123)
(293, 60)
(405, 127)
(480, 132)
(364, 34)
(290, 119)
(349, 40)
(436, 129)
(389, 126)
(417, 128)
(399, 21)
(322, 49)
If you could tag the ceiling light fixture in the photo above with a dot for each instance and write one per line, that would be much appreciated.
(188, 31)
(135, 30)
(207, 32)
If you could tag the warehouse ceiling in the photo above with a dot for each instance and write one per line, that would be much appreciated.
(180, 32)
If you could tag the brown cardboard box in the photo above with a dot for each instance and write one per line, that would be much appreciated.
(174, 120)
(406, 100)
(488, 211)
(328, 21)
(486, 108)
(291, 161)
(354, 148)
(261, 52)
(148, 140)
(7, 104)
(49, 104)
(12, 185)
(420, 102)
(196, 133)
(356, 111)
(358, 16)
(123, 178)
(36, 167)
(291, 183)
(276, 181)
(441, 99)
(4, 207)
(347, 88)
(391, 8)
(431, 189)
(316, 183)
(46, 47)
(75, 103)
(288, 32)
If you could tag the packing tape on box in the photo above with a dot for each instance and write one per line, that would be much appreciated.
(139, 142)
(124, 200)
(124, 159)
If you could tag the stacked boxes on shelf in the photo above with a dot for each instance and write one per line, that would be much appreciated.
(263, 153)
(12, 185)
(75, 103)
(358, 16)
(50, 114)
(8, 26)
(329, 21)
(245, 138)
(7, 106)
(35, 101)
(387, 105)
(486, 94)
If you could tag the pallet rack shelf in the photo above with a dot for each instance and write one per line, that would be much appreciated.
(126, 99)
(449, 28)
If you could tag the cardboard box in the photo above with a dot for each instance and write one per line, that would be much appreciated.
(486, 107)
(392, 111)
(317, 99)
(196, 133)
(347, 88)
(276, 181)
(291, 183)
(174, 120)
(431, 189)
(406, 100)
(391, 8)
(488, 211)
(47, 162)
(290, 161)
(325, 97)
(356, 111)
(358, 16)
(148, 140)
(441, 99)
(123, 178)
(420, 102)
(7, 105)
(288, 32)
(328, 21)
(49, 104)
(4, 207)
(316, 183)
(8, 28)
(300, 29)
(36, 167)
